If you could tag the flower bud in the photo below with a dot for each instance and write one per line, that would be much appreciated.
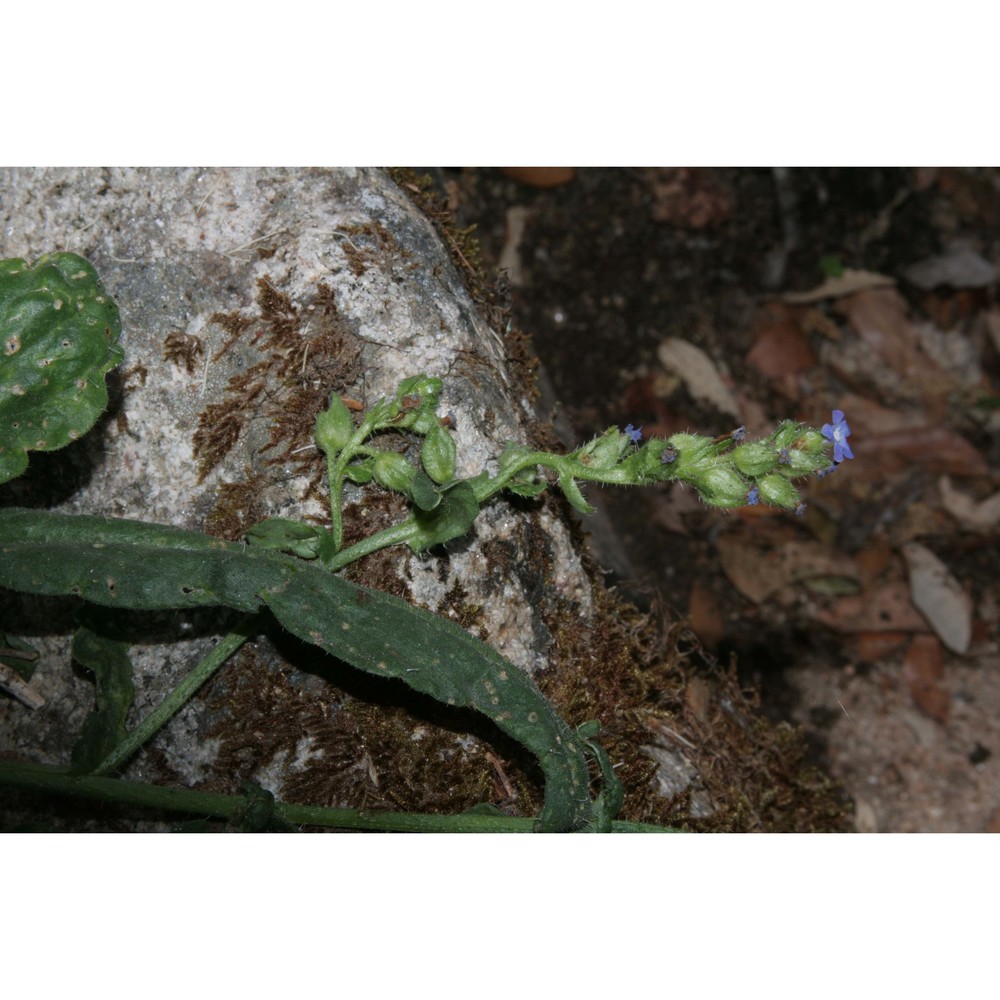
(720, 486)
(605, 451)
(437, 454)
(777, 491)
(392, 471)
(754, 459)
(334, 426)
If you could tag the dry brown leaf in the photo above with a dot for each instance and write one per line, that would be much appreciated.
(939, 597)
(699, 373)
(873, 646)
(847, 283)
(881, 318)
(705, 615)
(781, 348)
(923, 670)
(935, 448)
(981, 516)
(881, 608)
(759, 571)
(540, 177)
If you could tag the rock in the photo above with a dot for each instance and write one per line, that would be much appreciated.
(247, 296)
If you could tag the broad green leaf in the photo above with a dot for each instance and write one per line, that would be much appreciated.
(139, 566)
(59, 333)
(451, 518)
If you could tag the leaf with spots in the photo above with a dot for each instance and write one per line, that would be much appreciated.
(139, 566)
(59, 332)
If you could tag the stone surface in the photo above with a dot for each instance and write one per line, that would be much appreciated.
(367, 294)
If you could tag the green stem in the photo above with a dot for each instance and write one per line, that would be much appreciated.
(53, 780)
(179, 696)
(397, 534)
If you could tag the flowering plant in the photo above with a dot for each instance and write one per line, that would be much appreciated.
(290, 570)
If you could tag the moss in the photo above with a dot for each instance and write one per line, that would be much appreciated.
(183, 349)
(305, 354)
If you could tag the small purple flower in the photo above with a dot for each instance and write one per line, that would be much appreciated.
(739, 434)
(668, 455)
(635, 434)
(838, 432)
(823, 473)
(783, 457)
(800, 509)
(753, 497)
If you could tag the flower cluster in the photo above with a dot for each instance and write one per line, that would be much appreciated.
(727, 471)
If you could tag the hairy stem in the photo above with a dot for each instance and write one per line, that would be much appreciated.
(53, 780)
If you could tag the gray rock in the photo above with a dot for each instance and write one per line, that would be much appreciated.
(347, 288)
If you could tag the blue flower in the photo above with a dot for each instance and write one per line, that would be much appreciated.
(668, 455)
(739, 434)
(753, 497)
(838, 432)
(634, 434)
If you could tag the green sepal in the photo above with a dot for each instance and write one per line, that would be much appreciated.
(754, 458)
(720, 486)
(453, 516)
(59, 333)
(307, 541)
(777, 491)
(104, 728)
(334, 426)
(603, 452)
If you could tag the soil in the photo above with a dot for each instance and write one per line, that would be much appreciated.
(818, 611)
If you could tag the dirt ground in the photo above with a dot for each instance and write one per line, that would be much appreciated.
(678, 299)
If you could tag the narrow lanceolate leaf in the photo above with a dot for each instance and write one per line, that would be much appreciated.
(138, 566)
(108, 660)
(59, 333)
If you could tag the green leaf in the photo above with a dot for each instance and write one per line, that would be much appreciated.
(572, 493)
(451, 518)
(104, 728)
(361, 472)
(59, 332)
(15, 653)
(611, 798)
(141, 566)
(437, 454)
(424, 494)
